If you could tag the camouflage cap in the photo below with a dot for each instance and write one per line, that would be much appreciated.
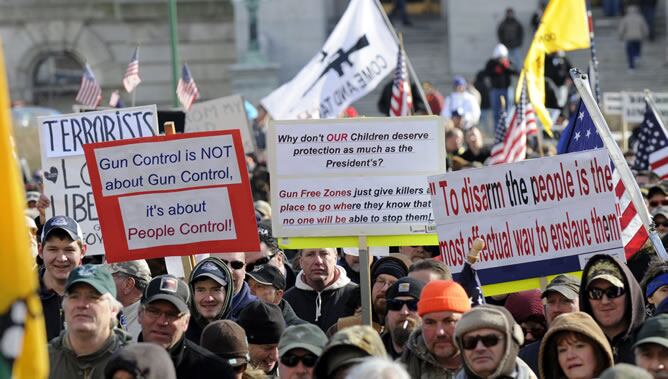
(607, 270)
(138, 269)
(349, 346)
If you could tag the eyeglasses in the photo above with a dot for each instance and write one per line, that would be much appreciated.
(236, 265)
(155, 314)
(292, 360)
(611, 293)
(260, 262)
(396, 305)
(489, 340)
(656, 203)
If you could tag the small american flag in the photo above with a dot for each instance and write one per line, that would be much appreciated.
(401, 103)
(131, 78)
(581, 134)
(90, 92)
(186, 90)
(513, 146)
(652, 148)
(114, 99)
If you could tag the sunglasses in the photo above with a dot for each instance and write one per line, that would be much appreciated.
(236, 265)
(489, 340)
(536, 332)
(664, 224)
(397, 305)
(260, 262)
(610, 292)
(291, 360)
(656, 203)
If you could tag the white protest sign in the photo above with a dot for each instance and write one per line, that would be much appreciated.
(530, 211)
(631, 105)
(66, 179)
(350, 177)
(221, 114)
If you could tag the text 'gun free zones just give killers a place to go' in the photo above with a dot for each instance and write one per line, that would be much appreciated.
(173, 195)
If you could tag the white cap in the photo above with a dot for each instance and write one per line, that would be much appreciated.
(500, 51)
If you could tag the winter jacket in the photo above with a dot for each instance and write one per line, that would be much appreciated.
(500, 73)
(324, 308)
(578, 322)
(468, 104)
(389, 346)
(510, 33)
(240, 301)
(419, 362)
(622, 344)
(522, 371)
(52, 308)
(64, 362)
(529, 354)
(633, 26)
(197, 322)
(289, 314)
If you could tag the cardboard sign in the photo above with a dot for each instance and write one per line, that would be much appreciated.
(66, 180)
(631, 105)
(351, 177)
(537, 217)
(224, 113)
(173, 195)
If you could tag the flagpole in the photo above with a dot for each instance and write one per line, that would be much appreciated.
(134, 92)
(388, 23)
(174, 37)
(581, 83)
(594, 60)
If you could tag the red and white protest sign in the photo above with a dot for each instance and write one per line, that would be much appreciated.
(351, 177)
(173, 195)
(556, 210)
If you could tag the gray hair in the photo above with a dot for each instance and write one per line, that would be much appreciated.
(378, 368)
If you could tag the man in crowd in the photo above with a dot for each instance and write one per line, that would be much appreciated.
(561, 296)
(511, 33)
(489, 339)
(346, 349)
(461, 99)
(131, 279)
(611, 295)
(402, 317)
(271, 254)
(91, 337)
(227, 340)
(236, 263)
(417, 253)
(299, 349)
(322, 293)
(427, 270)
(211, 296)
(431, 350)
(651, 348)
(164, 317)
(655, 284)
(267, 283)
(264, 324)
(62, 249)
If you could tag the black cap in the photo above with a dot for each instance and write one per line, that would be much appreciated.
(263, 322)
(210, 270)
(405, 287)
(64, 223)
(391, 265)
(268, 275)
(168, 288)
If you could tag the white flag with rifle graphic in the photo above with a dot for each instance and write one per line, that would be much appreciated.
(358, 55)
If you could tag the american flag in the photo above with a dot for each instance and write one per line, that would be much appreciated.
(652, 148)
(115, 99)
(469, 280)
(186, 90)
(90, 92)
(131, 78)
(401, 103)
(581, 134)
(513, 146)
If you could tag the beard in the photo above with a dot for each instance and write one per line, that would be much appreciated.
(400, 334)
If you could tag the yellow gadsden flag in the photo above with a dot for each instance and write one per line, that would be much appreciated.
(22, 332)
(563, 27)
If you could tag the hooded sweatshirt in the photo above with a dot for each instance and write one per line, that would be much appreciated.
(240, 301)
(578, 322)
(419, 362)
(634, 311)
(323, 308)
(197, 322)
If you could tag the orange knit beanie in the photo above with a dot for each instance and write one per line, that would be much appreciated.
(443, 296)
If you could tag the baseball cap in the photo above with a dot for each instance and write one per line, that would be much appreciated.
(458, 81)
(168, 288)
(657, 189)
(405, 287)
(268, 275)
(607, 270)
(96, 276)
(65, 223)
(32, 196)
(565, 285)
(662, 210)
(138, 269)
(654, 330)
(304, 336)
(210, 270)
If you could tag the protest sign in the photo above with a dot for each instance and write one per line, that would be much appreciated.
(352, 177)
(537, 217)
(66, 180)
(631, 105)
(224, 113)
(173, 195)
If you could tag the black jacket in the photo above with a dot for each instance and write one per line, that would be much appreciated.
(529, 354)
(52, 308)
(325, 307)
(289, 314)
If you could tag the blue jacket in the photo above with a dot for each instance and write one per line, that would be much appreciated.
(240, 301)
